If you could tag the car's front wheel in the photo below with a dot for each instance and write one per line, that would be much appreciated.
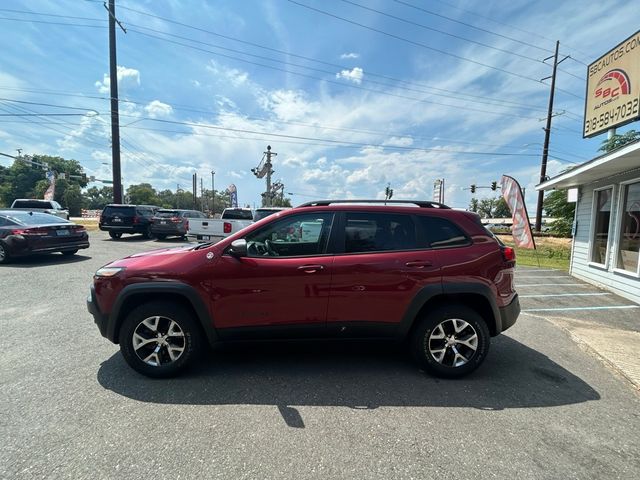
(115, 235)
(70, 252)
(451, 342)
(159, 339)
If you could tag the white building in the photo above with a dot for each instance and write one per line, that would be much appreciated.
(607, 223)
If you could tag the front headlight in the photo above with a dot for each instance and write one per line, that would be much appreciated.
(108, 271)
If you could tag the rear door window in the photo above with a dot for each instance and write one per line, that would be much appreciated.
(378, 232)
(437, 232)
(120, 211)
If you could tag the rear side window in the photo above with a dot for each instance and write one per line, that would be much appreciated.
(167, 213)
(439, 232)
(121, 211)
(145, 211)
(237, 214)
(378, 232)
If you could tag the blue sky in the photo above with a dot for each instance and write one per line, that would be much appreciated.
(351, 99)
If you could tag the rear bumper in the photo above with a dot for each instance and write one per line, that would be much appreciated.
(124, 228)
(509, 314)
(168, 230)
(19, 249)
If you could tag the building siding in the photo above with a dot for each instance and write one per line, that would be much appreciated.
(621, 284)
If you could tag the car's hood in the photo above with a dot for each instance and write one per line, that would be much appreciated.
(154, 258)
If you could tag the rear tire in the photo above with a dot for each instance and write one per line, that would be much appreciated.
(161, 236)
(115, 235)
(160, 339)
(451, 342)
(68, 253)
(147, 233)
(4, 253)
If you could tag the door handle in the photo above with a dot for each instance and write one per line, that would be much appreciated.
(419, 264)
(311, 268)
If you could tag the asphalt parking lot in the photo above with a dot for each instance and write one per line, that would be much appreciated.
(542, 405)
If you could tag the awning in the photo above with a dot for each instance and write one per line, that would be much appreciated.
(622, 160)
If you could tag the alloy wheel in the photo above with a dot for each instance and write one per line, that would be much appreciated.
(158, 341)
(453, 342)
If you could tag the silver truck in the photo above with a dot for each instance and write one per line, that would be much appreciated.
(215, 229)
(44, 206)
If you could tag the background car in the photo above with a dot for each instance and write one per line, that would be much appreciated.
(118, 219)
(167, 222)
(25, 233)
(43, 206)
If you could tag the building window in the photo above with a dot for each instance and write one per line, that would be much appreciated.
(629, 236)
(601, 220)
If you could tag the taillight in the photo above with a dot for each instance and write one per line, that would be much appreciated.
(509, 254)
(78, 228)
(136, 219)
(227, 227)
(39, 232)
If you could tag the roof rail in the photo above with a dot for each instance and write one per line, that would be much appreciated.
(419, 203)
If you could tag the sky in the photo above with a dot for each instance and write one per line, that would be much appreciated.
(351, 95)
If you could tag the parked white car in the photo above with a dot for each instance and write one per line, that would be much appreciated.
(43, 206)
(215, 229)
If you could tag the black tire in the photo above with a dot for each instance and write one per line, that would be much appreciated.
(115, 235)
(147, 233)
(161, 236)
(426, 344)
(4, 253)
(68, 253)
(191, 342)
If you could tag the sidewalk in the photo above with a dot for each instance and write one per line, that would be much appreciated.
(603, 323)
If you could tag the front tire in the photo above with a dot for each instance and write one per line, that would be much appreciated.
(115, 235)
(161, 236)
(68, 253)
(159, 339)
(451, 341)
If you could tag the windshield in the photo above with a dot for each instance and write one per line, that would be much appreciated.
(33, 218)
(237, 214)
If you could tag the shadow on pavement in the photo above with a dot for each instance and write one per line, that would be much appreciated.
(352, 375)
(33, 261)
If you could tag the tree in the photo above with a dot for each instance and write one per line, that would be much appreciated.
(142, 194)
(556, 206)
(501, 209)
(73, 200)
(617, 141)
(97, 198)
(490, 207)
(279, 201)
(473, 205)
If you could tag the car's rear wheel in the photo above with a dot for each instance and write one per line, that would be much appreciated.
(4, 253)
(147, 233)
(451, 342)
(161, 236)
(159, 339)
(115, 235)
(70, 252)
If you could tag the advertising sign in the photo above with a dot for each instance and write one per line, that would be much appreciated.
(521, 230)
(613, 88)
(233, 195)
(51, 190)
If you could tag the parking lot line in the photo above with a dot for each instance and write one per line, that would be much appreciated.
(533, 269)
(552, 285)
(560, 309)
(564, 295)
(544, 276)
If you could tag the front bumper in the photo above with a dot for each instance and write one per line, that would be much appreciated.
(99, 318)
(509, 314)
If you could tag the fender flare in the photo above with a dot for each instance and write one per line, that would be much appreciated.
(177, 288)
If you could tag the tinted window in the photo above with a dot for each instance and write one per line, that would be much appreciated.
(440, 233)
(119, 210)
(260, 214)
(297, 235)
(237, 214)
(377, 232)
(167, 213)
(32, 204)
(34, 218)
(145, 211)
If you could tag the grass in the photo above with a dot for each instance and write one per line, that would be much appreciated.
(551, 252)
(91, 224)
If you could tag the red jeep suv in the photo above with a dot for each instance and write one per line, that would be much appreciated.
(338, 269)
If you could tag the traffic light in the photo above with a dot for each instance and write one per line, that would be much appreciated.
(473, 188)
(494, 186)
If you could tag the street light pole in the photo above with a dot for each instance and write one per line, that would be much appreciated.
(213, 195)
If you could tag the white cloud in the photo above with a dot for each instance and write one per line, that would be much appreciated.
(157, 109)
(350, 55)
(354, 75)
(399, 141)
(127, 77)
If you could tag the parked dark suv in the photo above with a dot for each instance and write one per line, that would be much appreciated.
(118, 219)
(330, 269)
(172, 222)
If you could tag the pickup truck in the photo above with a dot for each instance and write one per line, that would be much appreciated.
(215, 229)
(44, 206)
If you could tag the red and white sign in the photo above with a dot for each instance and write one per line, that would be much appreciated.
(521, 229)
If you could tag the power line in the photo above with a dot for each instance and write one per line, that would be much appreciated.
(426, 27)
(42, 14)
(24, 20)
(369, 73)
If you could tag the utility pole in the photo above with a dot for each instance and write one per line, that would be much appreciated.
(269, 153)
(177, 195)
(213, 195)
(547, 134)
(115, 119)
(202, 194)
(195, 190)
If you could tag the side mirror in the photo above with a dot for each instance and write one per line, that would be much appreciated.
(238, 248)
